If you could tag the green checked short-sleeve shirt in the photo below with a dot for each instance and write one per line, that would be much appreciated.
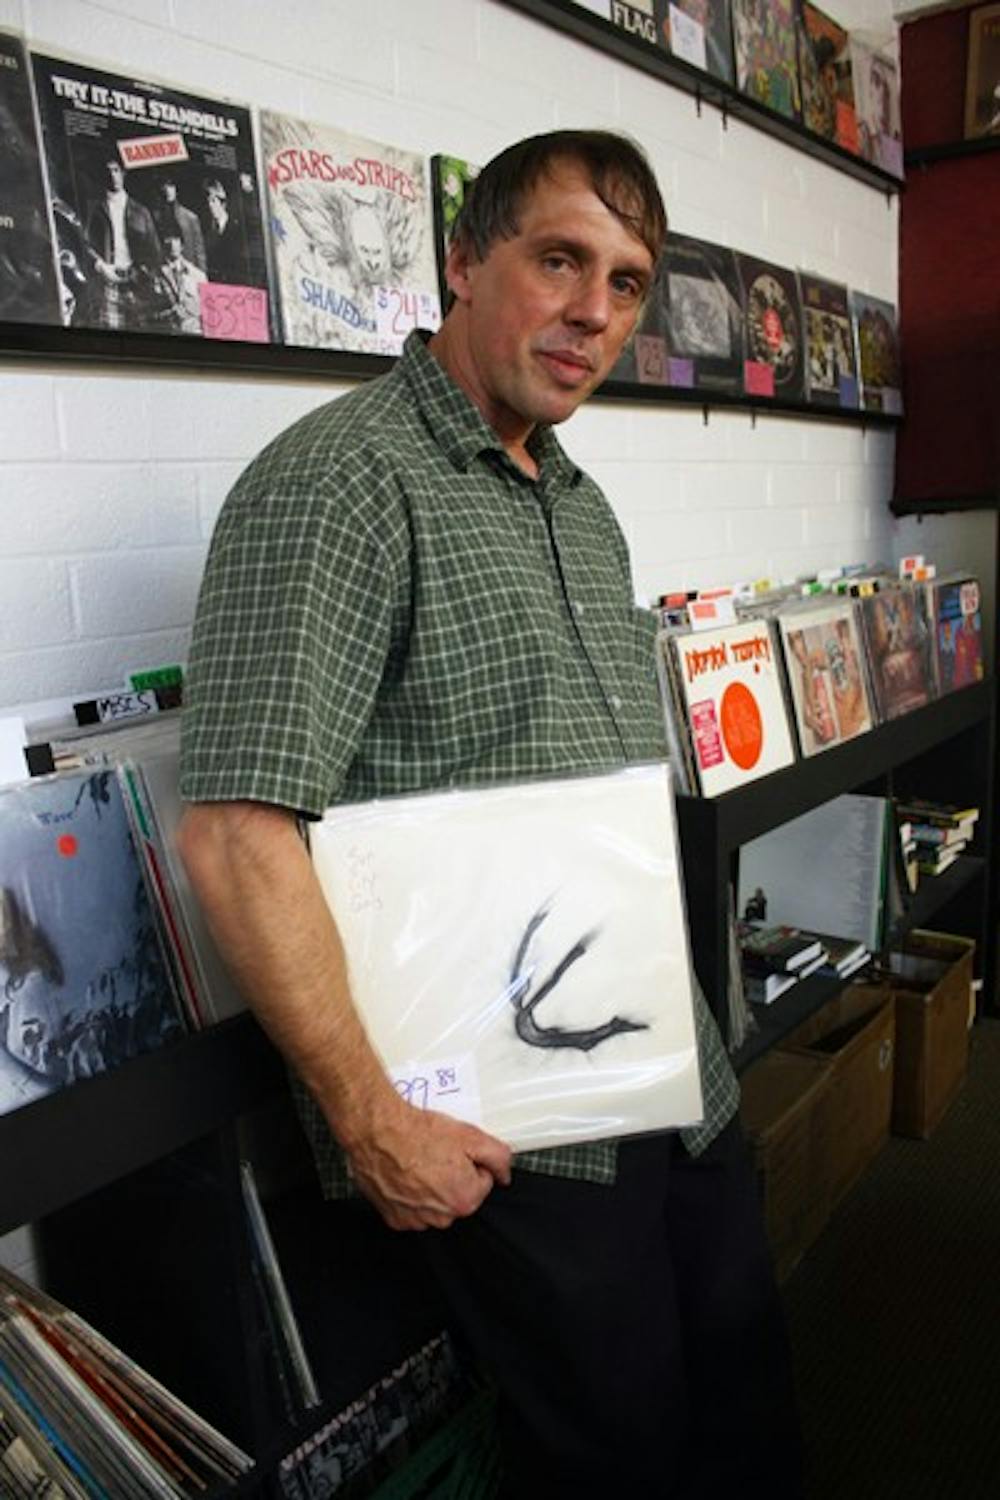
(391, 605)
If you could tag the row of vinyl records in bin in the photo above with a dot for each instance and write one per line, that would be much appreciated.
(80, 1419)
(792, 676)
(829, 892)
(323, 239)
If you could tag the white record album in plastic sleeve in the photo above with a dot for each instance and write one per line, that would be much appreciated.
(519, 954)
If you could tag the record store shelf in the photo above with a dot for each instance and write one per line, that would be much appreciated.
(568, 16)
(91, 1133)
(89, 346)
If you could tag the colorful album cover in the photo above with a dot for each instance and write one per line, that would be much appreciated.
(690, 334)
(700, 32)
(775, 342)
(451, 177)
(353, 237)
(28, 285)
(899, 649)
(879, 364)
(831, 362)
(958, 632)
(735, 706)
(155, 200)
(826, 78)
(764, 44)
(824, 661)
(876, 101)
(83, 984)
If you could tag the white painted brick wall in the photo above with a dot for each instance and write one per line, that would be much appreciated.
(110, 481)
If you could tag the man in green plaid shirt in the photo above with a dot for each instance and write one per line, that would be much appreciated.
(412, 588)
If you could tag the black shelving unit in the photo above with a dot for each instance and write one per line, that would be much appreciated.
(566, 16)
(946, 750)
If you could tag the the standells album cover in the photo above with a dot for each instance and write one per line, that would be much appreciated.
(831, 361)
(83, 984)
(827, 78)
(764, 44)
(155, 201)
(875, 330)
(775, 345)
(353, 237)
(28, 287)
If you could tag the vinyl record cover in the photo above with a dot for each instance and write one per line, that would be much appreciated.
(451, 178)
(876, 99)
(735, 706)
(28, 287)
(353, 237)
(764, 45)
(641, 19)
(518, 955)
(958, 632)
(696, 309)
(875, 331)
(155, 201)
(700, 32)
(775, 341)
(83, 985)
(899, 649)
(831, 361)
(826, 676)
(826, 77)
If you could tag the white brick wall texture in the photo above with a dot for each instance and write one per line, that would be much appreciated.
(110, 481)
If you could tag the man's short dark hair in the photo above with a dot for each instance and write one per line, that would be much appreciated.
(619, 174)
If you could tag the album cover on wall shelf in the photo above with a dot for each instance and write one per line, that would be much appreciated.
(876, 333)
(876, 101)
(451, 177)
(764, 45)
(700, 32)
(734, 703)
(695, 308)
(641, 19)
(155, 202)
(831, 360)
(982, 79)
(775, 345)
(352, 234)
(899, 648)
(826, 78)
(85, 985)
(28, 286)
(957, 622)
(824, 659)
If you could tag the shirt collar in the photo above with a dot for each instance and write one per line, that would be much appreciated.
(459, 427)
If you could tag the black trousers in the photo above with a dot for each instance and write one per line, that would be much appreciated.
(634, 1331)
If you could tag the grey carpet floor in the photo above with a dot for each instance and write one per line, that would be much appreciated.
(894, 1314)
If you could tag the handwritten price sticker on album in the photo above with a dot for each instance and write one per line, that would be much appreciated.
(234, 312)
(398, 311)
(450, 1085)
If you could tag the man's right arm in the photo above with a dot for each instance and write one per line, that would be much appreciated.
(263, 903)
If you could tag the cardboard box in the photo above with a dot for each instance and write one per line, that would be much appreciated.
(854, 1035)
(785, 1125)
(932, 981)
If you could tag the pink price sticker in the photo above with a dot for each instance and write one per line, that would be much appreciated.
(707, 739)
(758, 378)
(234, 312)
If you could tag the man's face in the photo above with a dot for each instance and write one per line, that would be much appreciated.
(115, 176)
(548, 311)
(169, 191)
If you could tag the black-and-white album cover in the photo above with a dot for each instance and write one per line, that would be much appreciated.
(27, 270)
(775, 343)
(831, 361)
(704, 315)
(352, 233)
(156, 205)
(83, 984)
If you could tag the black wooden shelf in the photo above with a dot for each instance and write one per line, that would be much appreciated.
(935, 891)
(96, 346)
(85, 1136)
(928, 156)
(567, 16)
(741, 815)
(943, 505)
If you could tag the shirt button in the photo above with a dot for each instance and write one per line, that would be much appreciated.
(616, 702)
(577, 607)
